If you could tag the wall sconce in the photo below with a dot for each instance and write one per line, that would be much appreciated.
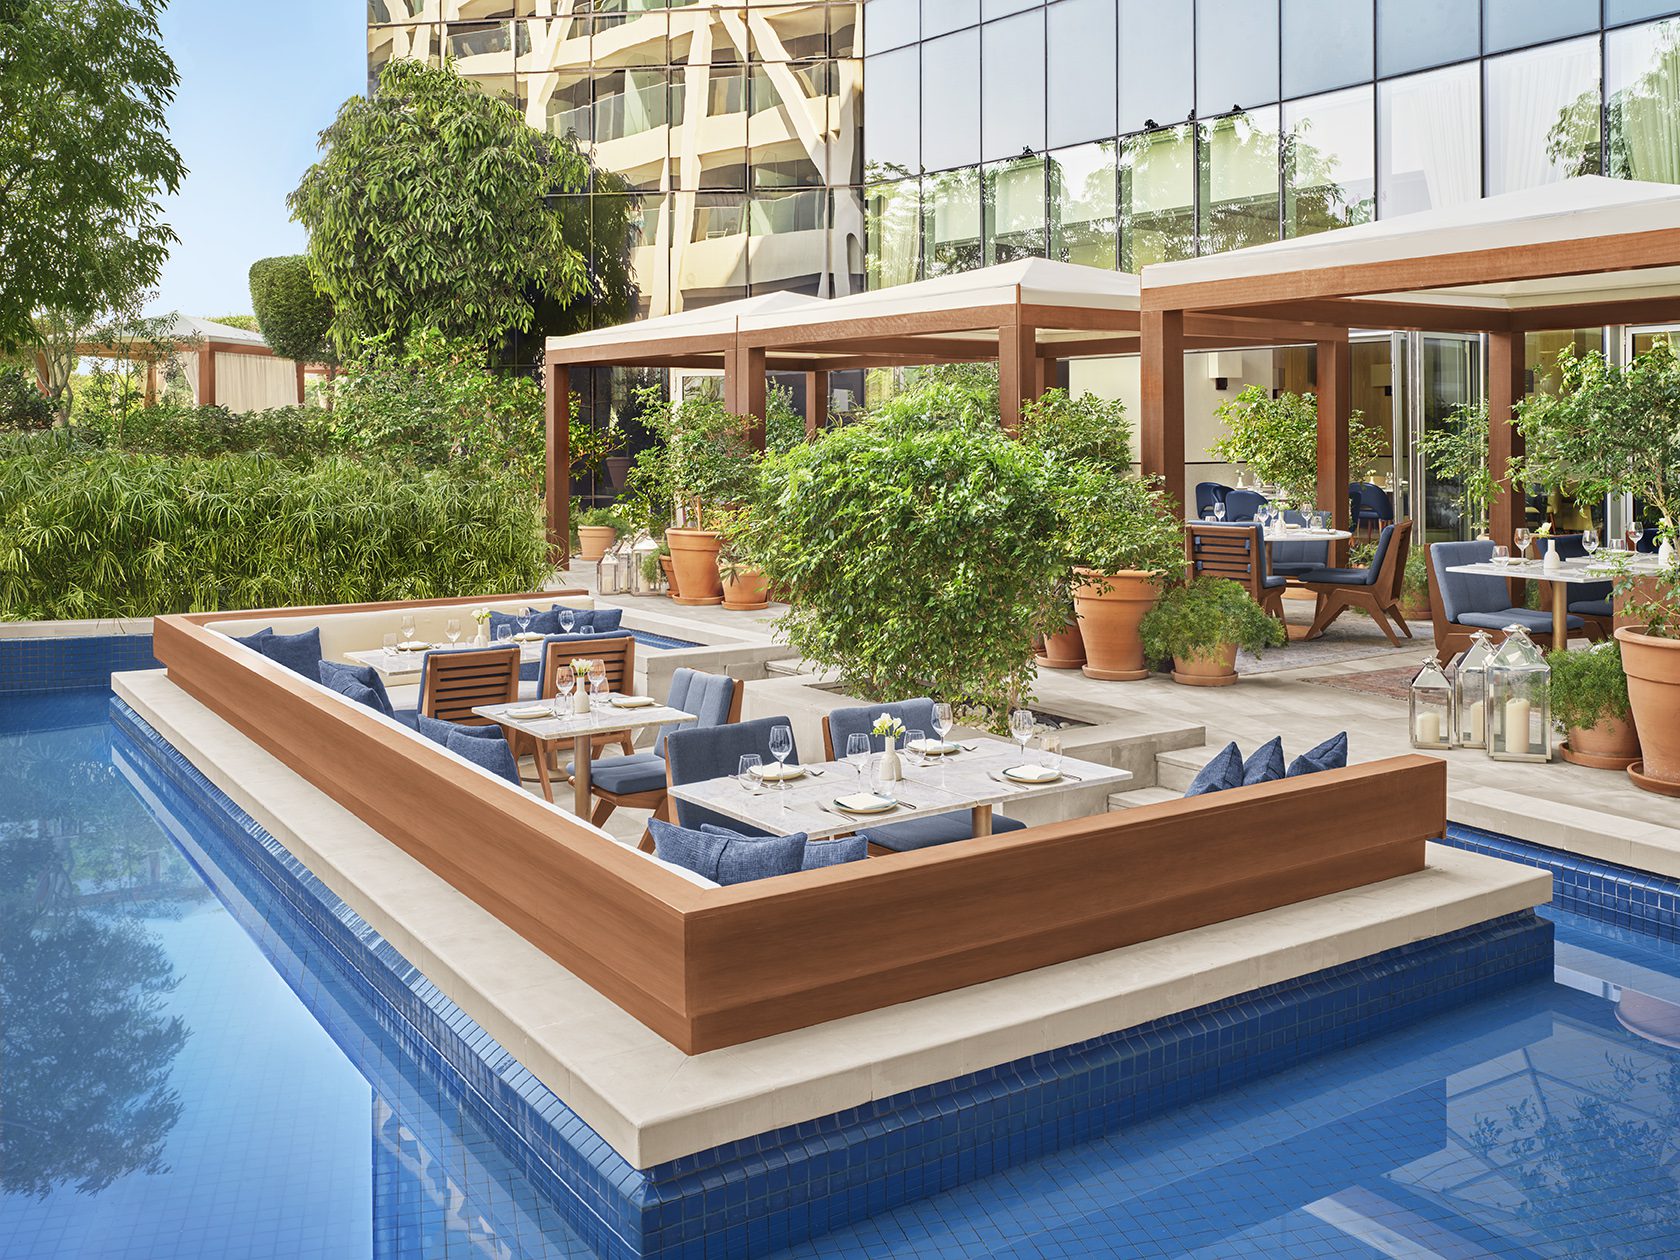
(1382, 377)
(1221, 368)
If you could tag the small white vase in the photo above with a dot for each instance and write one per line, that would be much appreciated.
(482, 638)
(892, 770)
(580, 701)
(1665, 554)
(1552, 560)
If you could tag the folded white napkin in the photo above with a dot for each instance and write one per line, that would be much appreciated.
(632, 702)
(776, 773)
(864, 803)
(1032, 774)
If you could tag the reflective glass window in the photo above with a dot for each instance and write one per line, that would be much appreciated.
(1082, 207)
(845, 113)
(788, 33)
(1157, 197)
(629, 40)
(1618, 11)
(892, 146)
(1015, 220)
(941, 17)
(1011, 87)
(401, 10)
(632, 115)
(1329, 162)
(1236, 54)
(1326, 44)
(1157, 66)
(1082, 64)
(797, 257)
(1238, 181)
(842, 30)
(895, 233)
(950, 132)
(1642, 65)
(891, 24)
(1518, 23)
(951, 222)
(563, 99)
(713, 265)
(397, 43)
(723, 91)
(787, 123)
(990, 9)
(1429, 140)
(1542, 116)
(1417, 34)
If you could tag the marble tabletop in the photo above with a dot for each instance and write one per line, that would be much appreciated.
(1569, 571)
(567, 725)
(407, 664)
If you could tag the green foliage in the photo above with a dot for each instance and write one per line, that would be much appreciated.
(247, 322)
(710, 461)
(1117, 524)
(1087, 430)
(431, 210)
(1458, 451)
(22, 405)
(1277, 438)
(916, 557)
(944, 394)
(649, 496)
(293, 433)
(1200, 618)
(107, 534)
(1588, 687)
(84, 156)
(295, 317)
(607, 516)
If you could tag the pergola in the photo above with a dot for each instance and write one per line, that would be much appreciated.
(212, 344)
(1025, 315)
(1581, 253)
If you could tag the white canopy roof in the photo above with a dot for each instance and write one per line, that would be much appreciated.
(704, 321)
(1582, 209)
(185, 326)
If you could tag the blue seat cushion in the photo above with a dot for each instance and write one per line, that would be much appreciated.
(348, 686)
(1330, 755)
(1272, 583)
(1591, 607)
(1223, 770)
(367, 675)
(408, 717)
(725, 856)
(708, 696)
(1295, 568)
(917, 715)
(821, 853)
(300, 653)
(1534, 620)
(925, 833)
(593, 619)
(625, 776)
(1341, 577)
(254, 640)
(492, 754)
(439, 731)
(1265, 764)
(1465, 593)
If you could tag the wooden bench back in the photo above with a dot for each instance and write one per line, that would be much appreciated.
(617, 653)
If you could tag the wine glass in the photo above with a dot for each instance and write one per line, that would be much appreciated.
(525, 621)
(943, 721)
(1635, 536)
(1501, 555)
(598, 688)
(1218, 511)
(1522, 538)
(452, 630)
(565, 683)
(781, 748)
(857, 752)
(1021, 727)
(408, 629)
(1589, 541)
(504, 635)
(750, 772)
(567, 621)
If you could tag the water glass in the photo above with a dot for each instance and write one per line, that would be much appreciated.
(1207, 514)
(408, 629)
(504, 635)
(857, 752)
(749, 773)
(1501, 555)
(1050, 751)
(915, 747)
(452, 630)
(390, 647)
(598, 689)
(885, 788)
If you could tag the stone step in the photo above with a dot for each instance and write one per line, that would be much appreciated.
(1175, 769)
(1139, 797)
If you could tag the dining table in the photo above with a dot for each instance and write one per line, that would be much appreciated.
(972, 778)
(404, 664)
(1582, 571)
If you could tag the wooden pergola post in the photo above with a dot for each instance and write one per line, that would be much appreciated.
(1335, 405)
(1507, 383)
(206, 376)
(743, 387)
(1161, 340)
(149, 391)
(1018, 372)
(558, 483)
(816, 404)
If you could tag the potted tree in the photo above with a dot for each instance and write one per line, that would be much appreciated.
(745, 588)
(1125, 543)
(1458, 451)
(713, 467)
(1612, 430)
(597, 530)
(1277, 438)
(1201, 625)
(1589, 698)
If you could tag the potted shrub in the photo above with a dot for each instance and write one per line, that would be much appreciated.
(1125, 543)
(1202, 624)
(745, 588)
(1589, 698)
(597, 530)
(1277, 438)
(1414, 586)
(1612, 430)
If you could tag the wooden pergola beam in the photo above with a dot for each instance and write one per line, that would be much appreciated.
(1344, 313)
(557, 455)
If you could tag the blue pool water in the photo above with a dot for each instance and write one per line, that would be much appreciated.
(181, 1077)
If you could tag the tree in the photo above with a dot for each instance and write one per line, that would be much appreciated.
(431, 209)
(294, 316)
(84, 155)
(1278, 439)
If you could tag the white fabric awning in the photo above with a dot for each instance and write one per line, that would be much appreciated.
(706, 321)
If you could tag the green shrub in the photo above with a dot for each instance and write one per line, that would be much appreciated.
(22, 406)
(100, 533)
(1588, 687)
(1198, 619)
(171, 429)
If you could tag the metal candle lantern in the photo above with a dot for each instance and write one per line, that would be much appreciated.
(1469, 677)
(1519, 700)
(641, 582)
(611, 577)
(1432, 714)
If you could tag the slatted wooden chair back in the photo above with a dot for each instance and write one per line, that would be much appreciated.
(1228, 551)
(456, 683)
(1391, 578)
(617, 652)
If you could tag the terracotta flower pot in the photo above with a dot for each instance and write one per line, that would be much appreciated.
(618, 468)
(1217, 670)
(1652, 665)
(1062, 650)
(1416, 607)
(1611, 744)
(1108, 622)
(694, 555)
(746, 590)
(670, 571)
(593, 541)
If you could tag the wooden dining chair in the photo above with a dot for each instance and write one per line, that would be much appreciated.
(1237, 552)
(454, 683)
(617, 654)
(1376, 588)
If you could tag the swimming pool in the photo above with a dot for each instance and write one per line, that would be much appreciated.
(185, 1076)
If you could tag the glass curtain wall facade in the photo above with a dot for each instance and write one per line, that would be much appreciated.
(737, 127)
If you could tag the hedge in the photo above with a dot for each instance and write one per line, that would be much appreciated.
(98, 533)
(171, 429)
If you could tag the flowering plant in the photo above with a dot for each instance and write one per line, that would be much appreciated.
(481, 615)
(583, 667)
(888, 727)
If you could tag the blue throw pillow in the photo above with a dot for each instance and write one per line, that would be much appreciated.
(727, 857)
(439, 731)
(821, 853)
(300, 653)
(597, 620)
(367, 675)
(1330, 755)
(493, 754)
(348, 686)
(1224, 771)
(255, 641)
(544, 622)
(1265, 764)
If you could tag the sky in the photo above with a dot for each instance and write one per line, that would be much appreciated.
(259, 81)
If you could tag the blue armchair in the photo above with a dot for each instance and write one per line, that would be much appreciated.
(1241, 505)
(693, 756)
(1209, 493)
(918, 833)
(1463, 603)
(1369, 506)
(1296, 559)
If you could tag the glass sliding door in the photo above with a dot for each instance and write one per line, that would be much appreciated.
(1442, 373)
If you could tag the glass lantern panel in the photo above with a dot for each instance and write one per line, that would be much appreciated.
(1431, 708)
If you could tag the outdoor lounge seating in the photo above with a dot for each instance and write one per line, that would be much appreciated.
(918, 833)
(1235, 551)
(693, 756)
(1375, 588)
(1462, 603)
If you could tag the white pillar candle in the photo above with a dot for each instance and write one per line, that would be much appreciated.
(1429, 728)
(1516, 725)
(1473, 728)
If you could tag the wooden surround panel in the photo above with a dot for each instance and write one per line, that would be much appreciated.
(708, 968)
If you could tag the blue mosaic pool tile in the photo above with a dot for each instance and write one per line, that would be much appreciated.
(768, 1191)
(1622, 896)
(71, 664)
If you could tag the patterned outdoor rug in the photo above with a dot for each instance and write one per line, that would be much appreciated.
(1391, 684)
(1351, 638)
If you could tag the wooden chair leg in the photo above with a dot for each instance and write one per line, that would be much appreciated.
(1393, 610)
(603, 811)
(1330, 606)
(1383, 624)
